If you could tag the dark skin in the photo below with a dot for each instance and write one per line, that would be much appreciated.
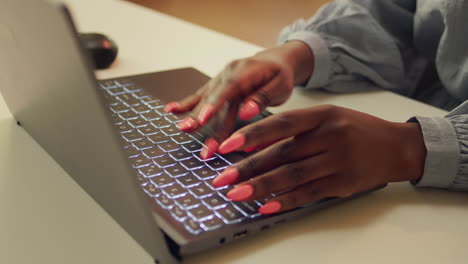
(314, 153)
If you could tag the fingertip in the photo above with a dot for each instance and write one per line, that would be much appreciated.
(205, 113)
(270, 207)
(171, 107)
(187, 124)
(211, 145)
(227, 177)
(231, 144)
(241, 193)
(249, 110)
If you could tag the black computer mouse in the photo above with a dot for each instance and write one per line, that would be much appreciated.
(102, 49)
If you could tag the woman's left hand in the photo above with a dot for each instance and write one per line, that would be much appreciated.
(320, 152)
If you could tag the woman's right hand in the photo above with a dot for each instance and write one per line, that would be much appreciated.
(244, 88)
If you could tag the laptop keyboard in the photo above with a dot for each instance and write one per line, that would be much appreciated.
(167, 161)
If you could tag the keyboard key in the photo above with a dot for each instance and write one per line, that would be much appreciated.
(162, 180)
(212, 224)
(176, 171)
(201, 190)
(148, 130)
(138, 122)
(130, 114)
(152, 115)
(119, 108)
(143, 143)
(116, 90)
(141, 108)
(170, 130)
(188, 180)
(180, 154)
(161, 122)
(173, 118)
(139, 161)
(168, 146)
(131, 151)
(178, 213)
(192, 226)
(187, 201)
(148, 99)
(249, 208)
(174, 190)
(131, 87)
(141, 180)
(139, 93)
(109, 99)
(217, 164)
(151, 190)
(192, 146)
(153, 152)
(124, 82)
(164, 161)
(164, 201)
(117, 120)
(124, 127)
(200, 213)
(214, 201)
(108, 84)
(132, 135)
(151, 170)
(192, 163)
(230, 214)
(205, 173)
(156, 105)
(182, 138)
(158, 137)
(128, 99)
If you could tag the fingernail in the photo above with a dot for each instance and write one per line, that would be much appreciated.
(209, 149)
(170, 107)
(205, 113)
(247, 150)
(270, 208)
(240, 193)
(227, 177)
(187, 124)
(249, 110)
(233, 143)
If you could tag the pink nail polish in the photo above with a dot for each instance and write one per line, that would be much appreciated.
(227, 177)
(211, 145)
(240, 193)
(249, 110)
(270, 208)
(170, 107)
(187, 124)
(205, 113)
(231, 144)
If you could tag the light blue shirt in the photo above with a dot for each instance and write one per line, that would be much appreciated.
(417, 48)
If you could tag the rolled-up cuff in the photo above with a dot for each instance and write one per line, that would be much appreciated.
(322, 59)
(443, 157)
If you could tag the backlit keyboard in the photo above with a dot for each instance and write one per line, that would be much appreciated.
(167, 161)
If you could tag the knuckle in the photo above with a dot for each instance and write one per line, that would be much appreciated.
(285, 120)
(250, 166)
(264, 98)
(296, 173)
(285, 149)
(265, 184)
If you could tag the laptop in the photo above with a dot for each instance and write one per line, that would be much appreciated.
(113, 138)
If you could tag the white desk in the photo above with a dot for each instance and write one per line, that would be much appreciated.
(46, 218)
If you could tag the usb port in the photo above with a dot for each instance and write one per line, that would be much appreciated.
(240, 234)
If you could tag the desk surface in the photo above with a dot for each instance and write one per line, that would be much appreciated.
(47, 218)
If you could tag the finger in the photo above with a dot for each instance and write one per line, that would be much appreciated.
(284, 125)
(325, 187)
(219, 129)
(188, 103)
(263, 98)
(235, 83)
(287, 151)
(282, 179)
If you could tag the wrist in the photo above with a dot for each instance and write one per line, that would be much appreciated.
(296, 56)
(413, 153)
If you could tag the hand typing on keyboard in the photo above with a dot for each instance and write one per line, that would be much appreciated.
(321, 152)
(305, 155)
(244, 88)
